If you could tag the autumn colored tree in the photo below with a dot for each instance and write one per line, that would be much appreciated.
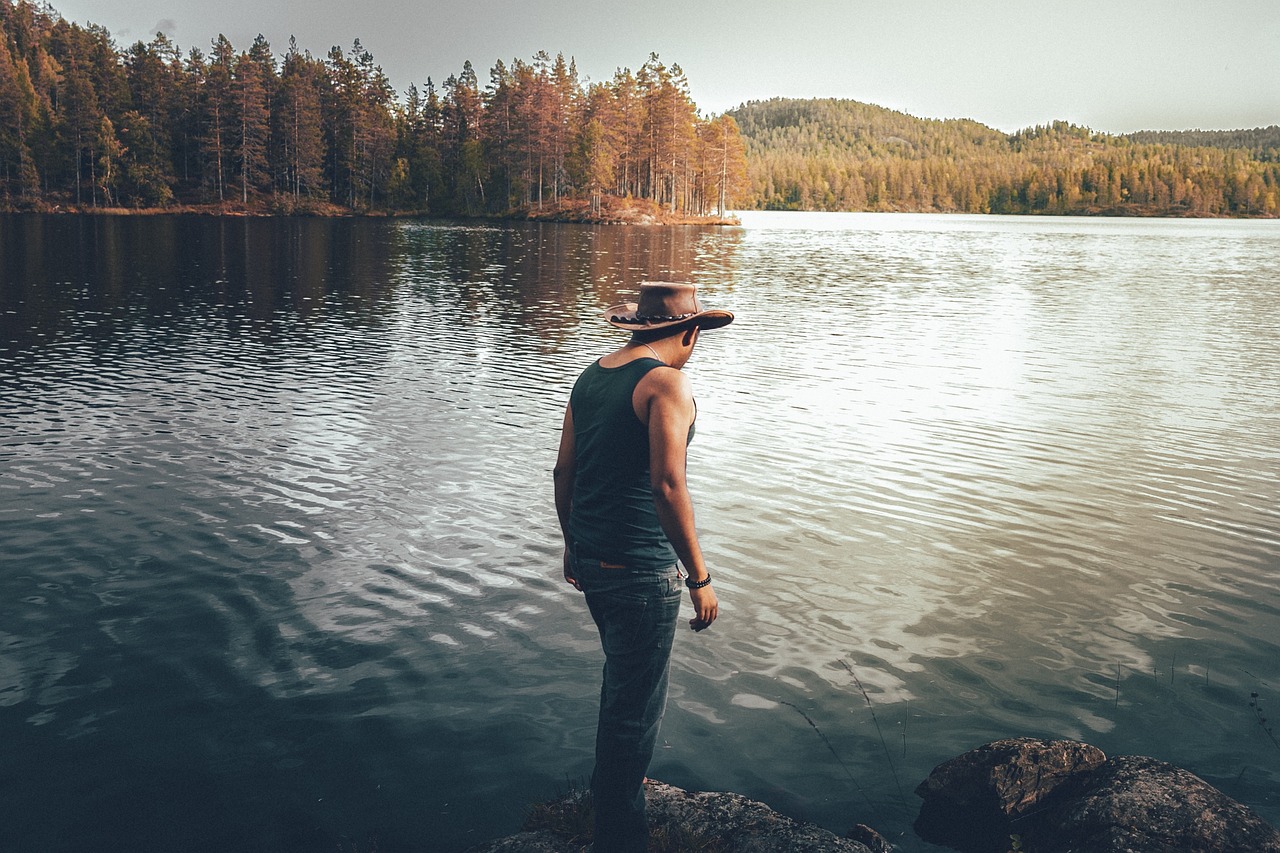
(670, 130)
(593, 165)
(18, 115)
(724, 163)
(628, 132)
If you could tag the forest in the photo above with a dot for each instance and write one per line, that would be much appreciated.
(85, 125)
(846, 155)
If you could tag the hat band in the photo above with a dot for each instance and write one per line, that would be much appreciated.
(652, 318)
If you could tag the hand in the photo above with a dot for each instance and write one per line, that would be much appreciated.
(568, 572)
(705, 607)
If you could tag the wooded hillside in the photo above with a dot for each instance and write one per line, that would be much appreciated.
(84, 123)
(845, 155)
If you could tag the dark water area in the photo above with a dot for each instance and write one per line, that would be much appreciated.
(279, 564)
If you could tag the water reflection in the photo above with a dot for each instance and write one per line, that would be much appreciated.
(544, 278)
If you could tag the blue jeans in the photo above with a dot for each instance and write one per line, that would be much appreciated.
(635, 612)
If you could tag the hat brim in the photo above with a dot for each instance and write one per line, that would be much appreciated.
(623, 316)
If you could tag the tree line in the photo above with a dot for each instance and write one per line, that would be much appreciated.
(845, 155)
(86, 124)
(1263, 143)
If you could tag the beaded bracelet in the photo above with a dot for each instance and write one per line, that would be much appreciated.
(693, 584)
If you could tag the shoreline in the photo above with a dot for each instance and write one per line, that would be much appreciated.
(613, 211)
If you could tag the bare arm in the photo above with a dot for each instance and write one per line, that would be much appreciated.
(668, 404)
(562, 475)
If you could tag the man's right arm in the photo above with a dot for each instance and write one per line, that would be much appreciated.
(562, 475)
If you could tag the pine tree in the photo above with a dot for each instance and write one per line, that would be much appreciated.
(298, 130)
(218, 108)
(253, 84)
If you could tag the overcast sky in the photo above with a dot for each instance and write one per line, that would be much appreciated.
(1113, 65)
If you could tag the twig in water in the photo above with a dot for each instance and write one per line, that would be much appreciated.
(1256, 704)
(901, 797)
(832, 749)
(906, 715)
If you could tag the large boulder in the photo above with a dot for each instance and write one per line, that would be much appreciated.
(1135, 803)
(1067, 797)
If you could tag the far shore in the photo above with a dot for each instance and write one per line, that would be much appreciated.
(612, 211)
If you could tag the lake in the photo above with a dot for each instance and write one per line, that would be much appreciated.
(281, 566)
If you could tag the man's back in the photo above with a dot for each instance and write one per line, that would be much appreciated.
(613, 516)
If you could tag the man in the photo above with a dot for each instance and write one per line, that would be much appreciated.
(626, 516)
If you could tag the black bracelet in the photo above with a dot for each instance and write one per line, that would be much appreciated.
(693, 584)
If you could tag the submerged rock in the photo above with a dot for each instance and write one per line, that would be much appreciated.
(1067, 797)
(679, 819)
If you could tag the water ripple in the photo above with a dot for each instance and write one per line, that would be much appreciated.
(1018, 476)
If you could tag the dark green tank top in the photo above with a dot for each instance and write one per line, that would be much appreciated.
(613, 517)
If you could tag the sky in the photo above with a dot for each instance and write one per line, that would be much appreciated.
(1112, 65)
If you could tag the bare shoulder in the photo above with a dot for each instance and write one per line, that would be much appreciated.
(664, 387)
(666, 382)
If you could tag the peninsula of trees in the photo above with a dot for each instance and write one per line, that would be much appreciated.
(845, 155)
(86, 125)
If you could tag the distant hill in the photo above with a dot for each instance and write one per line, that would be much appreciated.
(826, 154)
(1263, 142)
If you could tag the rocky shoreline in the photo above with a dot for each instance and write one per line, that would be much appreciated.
(1019, 794)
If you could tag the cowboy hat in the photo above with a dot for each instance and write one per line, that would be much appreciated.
(664, 304)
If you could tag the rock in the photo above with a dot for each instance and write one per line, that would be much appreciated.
(872, 840)
(1135, 803)
(727, 823)
(741, 825)
(972, 798)
(1066, 797)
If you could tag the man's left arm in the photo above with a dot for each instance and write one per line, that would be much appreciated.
(670, 414)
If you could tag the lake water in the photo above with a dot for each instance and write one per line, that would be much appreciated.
(281, 568)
